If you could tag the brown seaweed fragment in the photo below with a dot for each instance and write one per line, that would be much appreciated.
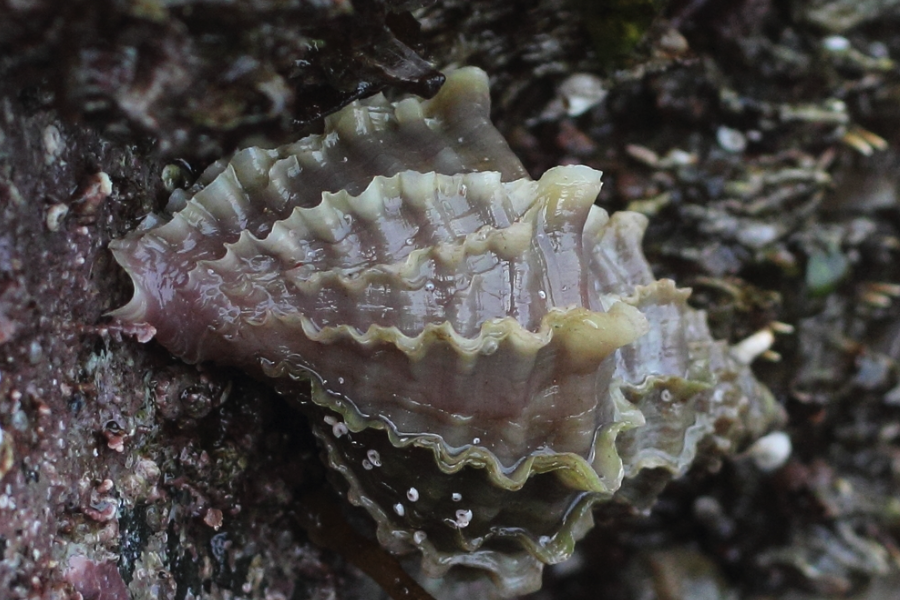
(490, 355)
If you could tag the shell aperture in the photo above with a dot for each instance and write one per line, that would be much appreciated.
(490, 355)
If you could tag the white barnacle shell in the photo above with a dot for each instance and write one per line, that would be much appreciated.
(434, 294)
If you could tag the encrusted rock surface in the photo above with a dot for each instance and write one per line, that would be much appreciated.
(767, 197)
(198, 76)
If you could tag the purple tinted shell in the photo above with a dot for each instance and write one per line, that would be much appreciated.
(489, 355)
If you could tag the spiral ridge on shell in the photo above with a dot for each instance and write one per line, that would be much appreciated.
(489, 355)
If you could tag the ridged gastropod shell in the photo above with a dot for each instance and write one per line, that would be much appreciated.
(490, 355)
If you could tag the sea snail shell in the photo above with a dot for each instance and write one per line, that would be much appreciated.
(490, 355)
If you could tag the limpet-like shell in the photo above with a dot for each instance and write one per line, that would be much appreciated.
(491, 354)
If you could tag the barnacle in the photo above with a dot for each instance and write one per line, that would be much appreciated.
(489, 355)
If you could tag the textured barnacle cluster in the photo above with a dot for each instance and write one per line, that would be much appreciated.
(489, 355)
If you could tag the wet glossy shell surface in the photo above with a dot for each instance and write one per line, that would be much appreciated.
(490, 355)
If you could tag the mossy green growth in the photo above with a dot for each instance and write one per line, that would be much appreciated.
(825, 270)
(616, 27)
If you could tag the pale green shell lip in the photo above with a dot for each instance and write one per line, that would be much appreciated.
(484, 334)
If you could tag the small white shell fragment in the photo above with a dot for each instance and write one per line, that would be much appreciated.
(456, 496)
(55, 216)
(463, 518)
(419, 536)
(642, 154)
(751, 347)
(53, 143)
(399, 509)
(412, 494)
(339, 429)
(731, 140)
(758, 235)
(771, 451)
(95, 188)
(581, 92)
(782, 328)
(374, 458)
(6, 453)
(836, 43)
(677, 157)
(104, 183)
(575, 96)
